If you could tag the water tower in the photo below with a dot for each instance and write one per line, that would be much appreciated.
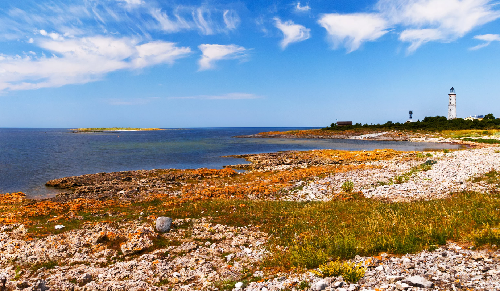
(452, 106)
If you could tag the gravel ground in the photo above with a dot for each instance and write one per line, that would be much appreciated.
(215, 253)
(196, 255)
(451, 173)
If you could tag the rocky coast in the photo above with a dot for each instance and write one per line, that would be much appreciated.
(101, 234)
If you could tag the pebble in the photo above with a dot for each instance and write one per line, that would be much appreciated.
(418, 281)
(238, 285)
(320, 285)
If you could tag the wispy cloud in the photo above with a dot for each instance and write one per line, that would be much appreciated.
(167, 24)
(203, 24)
(125, 17)
(487, 38)
(351, 30)
(229, 96)
(231, 19)
(82, 60)
(291, 32)
(212, 53)
(82, 41)
(206, 20)
(299, 8)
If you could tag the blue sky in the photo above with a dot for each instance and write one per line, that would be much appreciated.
(141, 63)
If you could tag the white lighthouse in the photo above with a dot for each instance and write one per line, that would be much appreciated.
(452, 106)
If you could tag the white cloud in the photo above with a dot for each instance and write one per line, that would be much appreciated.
(157, 52)
(487, 38)
(43, 32)
(78, 61)
(417, 37)
(351, 30)
(436, 20)
(299, 8)
(419, 22)
(231, 19)
(229, 96)
(217, 52)
(291, 32)
(55, 36)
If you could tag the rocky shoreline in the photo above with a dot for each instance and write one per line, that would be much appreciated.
(200, 254)
(326, 134)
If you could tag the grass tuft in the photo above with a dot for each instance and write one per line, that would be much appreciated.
(348, 186)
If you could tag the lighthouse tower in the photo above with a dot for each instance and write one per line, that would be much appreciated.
(452, 106)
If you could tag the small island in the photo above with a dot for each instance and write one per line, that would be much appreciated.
(102, 129)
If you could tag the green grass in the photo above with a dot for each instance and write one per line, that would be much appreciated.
(308, 234)
(483, 140)
(316, 232)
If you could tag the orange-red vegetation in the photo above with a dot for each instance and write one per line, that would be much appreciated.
(274, 175)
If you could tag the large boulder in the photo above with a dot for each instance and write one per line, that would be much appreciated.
(163, 223)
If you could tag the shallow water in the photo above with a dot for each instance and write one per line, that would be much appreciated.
(31, 157)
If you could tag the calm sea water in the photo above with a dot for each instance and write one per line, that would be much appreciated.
(31, 157)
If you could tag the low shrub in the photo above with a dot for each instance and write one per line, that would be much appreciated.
(437, 123)
(350, 271)
(487, 236)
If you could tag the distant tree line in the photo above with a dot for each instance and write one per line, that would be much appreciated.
(429, 123)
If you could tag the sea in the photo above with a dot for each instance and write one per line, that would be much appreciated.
(31, 157)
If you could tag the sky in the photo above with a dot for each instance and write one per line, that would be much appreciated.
(170, 64)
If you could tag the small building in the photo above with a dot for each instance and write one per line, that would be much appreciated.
(474, 117)
(344, 123)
